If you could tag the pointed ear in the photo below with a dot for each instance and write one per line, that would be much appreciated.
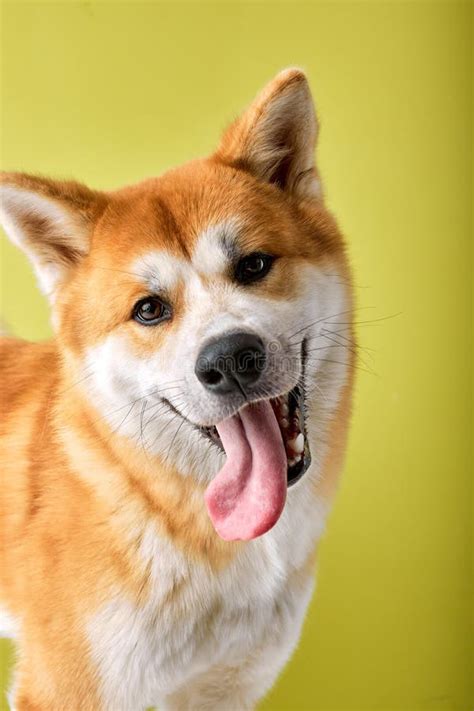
(51, 221)
(275, 138)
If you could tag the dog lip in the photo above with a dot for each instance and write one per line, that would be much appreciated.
(199, 428)
(297, 471)
(233, 411)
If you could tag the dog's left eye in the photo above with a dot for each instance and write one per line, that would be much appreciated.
(151, 311)
(253, 267)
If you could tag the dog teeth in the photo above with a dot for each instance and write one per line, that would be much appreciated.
(297, 444)
(294, 460)
(284, 423)
(284, 409)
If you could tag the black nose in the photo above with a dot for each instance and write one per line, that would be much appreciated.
(231, 363)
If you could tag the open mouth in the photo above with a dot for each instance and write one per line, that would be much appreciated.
(289, 411)
(267, 450)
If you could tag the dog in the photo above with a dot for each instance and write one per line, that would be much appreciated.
(170, 456)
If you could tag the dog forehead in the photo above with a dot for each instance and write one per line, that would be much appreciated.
(213, 249)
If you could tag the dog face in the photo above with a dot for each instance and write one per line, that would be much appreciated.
(190, 307)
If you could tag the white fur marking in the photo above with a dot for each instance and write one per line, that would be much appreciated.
(210, 256)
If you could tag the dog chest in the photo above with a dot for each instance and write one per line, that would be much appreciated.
(195, 618)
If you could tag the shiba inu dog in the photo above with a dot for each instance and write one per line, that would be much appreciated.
(169, 458)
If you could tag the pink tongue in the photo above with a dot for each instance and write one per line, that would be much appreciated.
(248, 495)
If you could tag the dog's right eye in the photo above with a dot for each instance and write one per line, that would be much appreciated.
(151, 311)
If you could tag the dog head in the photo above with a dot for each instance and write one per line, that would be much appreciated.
(191, 307)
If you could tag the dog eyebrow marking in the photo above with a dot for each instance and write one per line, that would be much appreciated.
(216, 247)
(161, 270)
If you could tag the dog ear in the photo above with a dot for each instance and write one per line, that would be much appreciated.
(275, 138)
(52, 221)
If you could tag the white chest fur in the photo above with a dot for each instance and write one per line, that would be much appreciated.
(196, 619)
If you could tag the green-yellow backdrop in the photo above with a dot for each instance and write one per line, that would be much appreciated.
(111, 92)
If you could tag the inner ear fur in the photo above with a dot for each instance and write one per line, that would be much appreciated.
(52, 221)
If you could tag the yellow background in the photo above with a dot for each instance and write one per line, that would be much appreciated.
(111, 92)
